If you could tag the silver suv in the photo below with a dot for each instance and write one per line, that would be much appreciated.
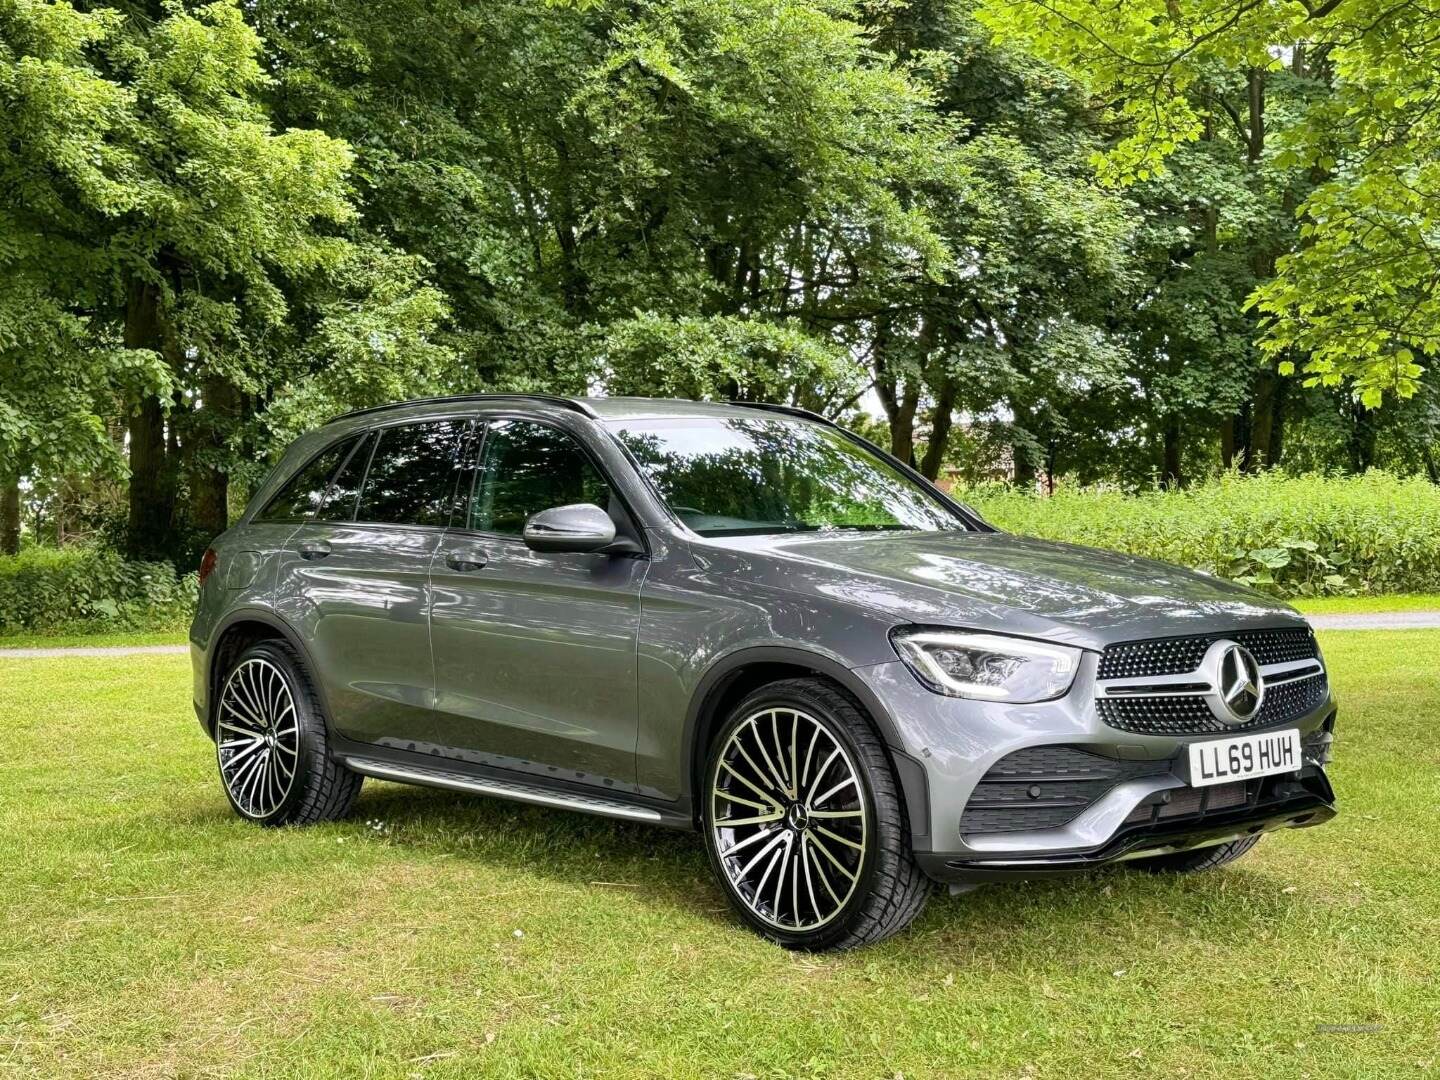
(745, 620)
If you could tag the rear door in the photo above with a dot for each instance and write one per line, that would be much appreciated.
(358, 574)
(535, 653)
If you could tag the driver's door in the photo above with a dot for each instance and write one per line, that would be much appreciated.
(535, 654)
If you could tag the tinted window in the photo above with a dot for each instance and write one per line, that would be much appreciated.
(764, 475)
(299, 498)
(525, 468)
(344, 490)
(412, 475)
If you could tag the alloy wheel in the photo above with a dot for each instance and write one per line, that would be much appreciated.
(257, 737)
(789, 819)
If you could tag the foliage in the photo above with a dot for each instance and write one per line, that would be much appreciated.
(80, 587)
(221, 223)
(1294, 536)
(1356, 299)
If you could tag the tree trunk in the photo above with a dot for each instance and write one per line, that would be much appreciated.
(1361, 442)
(209, 482)
(902, 425)
(152, 482)
(10, 516)
(1022, 462)
(1261, 423)
(940, 425)
(1227, 442)
(1280, 396)
(1172, 477)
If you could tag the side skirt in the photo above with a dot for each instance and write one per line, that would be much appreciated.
(453, 776)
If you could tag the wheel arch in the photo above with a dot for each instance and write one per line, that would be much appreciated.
(737, 674)
(237, 632)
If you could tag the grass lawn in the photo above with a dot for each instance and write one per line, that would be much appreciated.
(149, 933)
(1366, 605)
(114, 637)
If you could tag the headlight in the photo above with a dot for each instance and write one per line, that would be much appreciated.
(991, 667)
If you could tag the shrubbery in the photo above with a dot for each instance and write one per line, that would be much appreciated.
(81, 588)
(1295, 536)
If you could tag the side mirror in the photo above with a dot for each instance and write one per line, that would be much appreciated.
(580, 527)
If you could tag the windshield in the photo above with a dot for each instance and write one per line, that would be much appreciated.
(731, 477)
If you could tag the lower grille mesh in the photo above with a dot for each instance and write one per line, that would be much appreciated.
(1044, 787)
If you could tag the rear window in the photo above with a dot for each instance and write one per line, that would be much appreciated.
(302, 494)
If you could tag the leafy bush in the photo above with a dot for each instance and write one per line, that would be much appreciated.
(1292, 536)
(44, 589)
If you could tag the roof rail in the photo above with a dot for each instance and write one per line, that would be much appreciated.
(547, 399)
(793, 410)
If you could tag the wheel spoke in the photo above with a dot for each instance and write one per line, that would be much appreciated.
(775, 842)
(831, 791)
(838, 838)
(830, 814)
(758, 819)
(730, 796)
(232, 701)
(774, 772)
(730, 769)
(820, 847)
(759, 834)
(787, 778)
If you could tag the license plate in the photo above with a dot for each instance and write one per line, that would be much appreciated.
(1245, 756)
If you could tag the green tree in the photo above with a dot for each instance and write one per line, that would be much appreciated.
(1356, 300)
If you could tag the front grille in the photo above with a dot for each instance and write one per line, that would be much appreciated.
(1192, 716)
(1177, 655)
(1043, 787)
(1177, 714)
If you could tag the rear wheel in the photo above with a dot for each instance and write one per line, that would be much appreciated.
(1188, 862)
(271, 746)
(804, 823)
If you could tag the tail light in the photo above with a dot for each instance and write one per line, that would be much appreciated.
(207, 564)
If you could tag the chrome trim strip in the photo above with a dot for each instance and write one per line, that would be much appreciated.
(1186, 683)
(499, 789)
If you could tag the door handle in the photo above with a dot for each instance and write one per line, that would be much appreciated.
(313, 549)
(474, 560)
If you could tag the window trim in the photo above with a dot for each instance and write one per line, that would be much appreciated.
(482, 424)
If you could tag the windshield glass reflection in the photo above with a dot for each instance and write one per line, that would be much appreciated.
(739, 476)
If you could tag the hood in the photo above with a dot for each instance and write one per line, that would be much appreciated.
(1012, 584)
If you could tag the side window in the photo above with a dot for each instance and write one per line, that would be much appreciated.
(302, 494)
(411, 480)
(526, 467)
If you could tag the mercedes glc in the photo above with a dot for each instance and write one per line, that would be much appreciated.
(741, 619)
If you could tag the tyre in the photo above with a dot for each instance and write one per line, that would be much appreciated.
(803, 821)
(1188, 862)
(271, 746)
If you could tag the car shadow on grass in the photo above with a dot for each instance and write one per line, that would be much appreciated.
(669, 867)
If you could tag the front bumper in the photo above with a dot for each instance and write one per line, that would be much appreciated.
(1281, 802)
(948, 745)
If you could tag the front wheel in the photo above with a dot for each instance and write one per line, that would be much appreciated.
(804, 822)
(271, 745)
